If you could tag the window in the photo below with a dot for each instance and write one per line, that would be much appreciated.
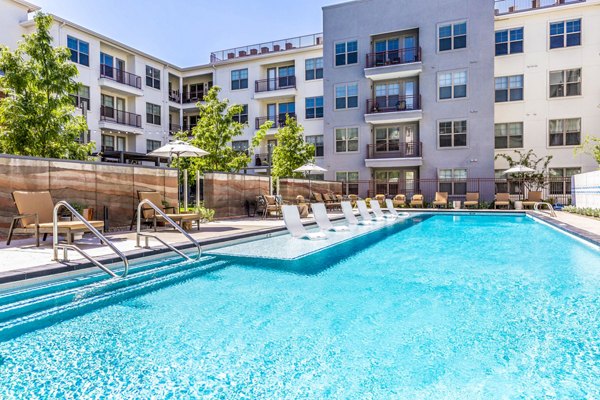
(346, 53)
(314, 107)
(452, 85)
(565, 83)
(346, 140)
(241, 146)
(350, 180)
(453, 134)
(317, 141)
(108, 143)
(565, 33)
(152, 114)
(565, 132)
(387, 139)
(509, 88)
(509, 41)
(346, 96)
(316, 177)
(152, 77)
(106, 65)
(560, 179)
(80, 51)
(314, 68)
(239, 79)
(452, 37)
(508, 136)
(82, 98)
(453, 181)
(152, 145)
(242, 117)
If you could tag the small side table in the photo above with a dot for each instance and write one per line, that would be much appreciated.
(518, 205)
(456, 204)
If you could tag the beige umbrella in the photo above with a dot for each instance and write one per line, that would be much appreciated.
(519, 169)
(308, 169)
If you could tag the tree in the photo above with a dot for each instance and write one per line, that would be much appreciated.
(291, 151)
(531, 180)
(37, 115)
(591, 146)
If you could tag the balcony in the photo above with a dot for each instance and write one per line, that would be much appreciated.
(503, 7)
(175, 96)
(193, 97)
(120, 81)
(111, 118)
(188, 128)
(268, 47)
(395, 108)
(174, 128)
(394, 64)
(284, 86)
(278, 122)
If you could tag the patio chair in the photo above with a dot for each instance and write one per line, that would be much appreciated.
(441, 199)
(318, 197)
(271, 206)
(417, 201)
(380, 198)
(150, 216)
(471, 200)
(532, 198)
(353, 199)
(502, 200)
(349, 215)
(364, 212)
(36, 217)
(399, 200)
(331, 202)
(379, 213)
(392, 210)
(320, 214)
(291, 217)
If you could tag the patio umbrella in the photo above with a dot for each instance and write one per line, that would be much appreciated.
(308, 169)
(519, 169)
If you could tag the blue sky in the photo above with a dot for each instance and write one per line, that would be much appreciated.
(184, 32)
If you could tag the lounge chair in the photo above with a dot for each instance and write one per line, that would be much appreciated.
(320, 214)
(399, 200)
(364, 212)
(353, 199)
(349, 215)
(532, 198)
(379, 213)
(318, 197)
(417, 200)
(471, 200)
(502, 200)
(271, 206)
(291, 217)
(441, 199)
(331, 202)
(36, 217)
(150, 216)
(392, 210)
(380, 199)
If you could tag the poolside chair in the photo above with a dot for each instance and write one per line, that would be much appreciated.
(318, 197)
(392, 210)
(380, 198)
(417, 200)
(331, 202)
(532, 198)
(291, 217)
(271, 206)
(471, 200)
(364, 212)
(399, 200)
(36, 217)
(379, 213)
(353, 199)
(320, 214)
(502, 200)
(349, 215)
(441, 199)
(150, 216)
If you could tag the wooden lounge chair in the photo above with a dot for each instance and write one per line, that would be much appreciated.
(36, 217)
(417, 201)
(472, 200)
(331, 202)
(532, 198)
(502, 200)
(317, 197)
(441, 199)
(399, 200)
(272, 206)
(150, 216)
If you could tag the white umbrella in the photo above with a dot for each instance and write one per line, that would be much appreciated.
(519, 169)
(308, 169)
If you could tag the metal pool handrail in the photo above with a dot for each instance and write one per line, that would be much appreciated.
(536, 207)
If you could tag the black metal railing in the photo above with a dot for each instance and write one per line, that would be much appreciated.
(513, 6)
(120, 117)
(193, 97)
(174, 128)
(382, 104)
(187, 127)
(267, 85)
(394, 57)
(395, 149)
(120, 76)
(278, 121)
(175, 96)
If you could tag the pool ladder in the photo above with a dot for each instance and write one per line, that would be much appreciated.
(536, 207)
(56, 245)
(147, 236)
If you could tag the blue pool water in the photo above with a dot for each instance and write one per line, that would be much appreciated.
(442, 307)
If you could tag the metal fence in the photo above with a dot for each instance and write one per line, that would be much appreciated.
(512, 6)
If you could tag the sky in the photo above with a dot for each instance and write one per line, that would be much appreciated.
(185, 32)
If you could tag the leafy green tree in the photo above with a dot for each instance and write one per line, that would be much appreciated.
(531, 180)
(36, 116)
(591, 146)
(291, 151)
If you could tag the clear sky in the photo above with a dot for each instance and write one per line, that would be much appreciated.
(184, 32)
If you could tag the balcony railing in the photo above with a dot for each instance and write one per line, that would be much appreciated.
(512, 6)
(267, 85)
(393, 149)
(268, 47)
(278, 121)
(174, 128)
(189, 127)
(175, 96)
(120, 117)
(394, 57)
(383, 104)
(120, 76)
(193, 97)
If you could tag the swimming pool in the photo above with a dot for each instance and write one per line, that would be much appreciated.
(444, 306)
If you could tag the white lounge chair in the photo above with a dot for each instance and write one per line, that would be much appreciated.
(320, 214)
(379, 214)
(392, 210)
(291, 217)
(349, 214)
(364, 212)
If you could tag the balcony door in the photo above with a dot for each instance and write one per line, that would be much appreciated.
(108, 107)
(120, 69)
(272, 112)
(121, 111)
(409, 137)
(409, 49)
(271, 78)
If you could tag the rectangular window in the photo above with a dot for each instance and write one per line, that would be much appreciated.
(152, 77)
(314, 107)
(346, 53)
(314, 68)
(346, 96)
(509, 41)
(108, 143)
(509, 88)
(560, 179)
(242, 117)
(452, 36)
(82, 98)
(452, 85)
(152, 114)
(565, 132)
(346, 140)
(350, 180)
(452, 134)
(239, 79)
(565, 33)
(565, 83)
(152, 145)
(317, 141)
(80, 51)
(508, 136)
(241, 146)
(453, 181)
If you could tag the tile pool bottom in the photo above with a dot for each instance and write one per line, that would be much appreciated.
(447, 307)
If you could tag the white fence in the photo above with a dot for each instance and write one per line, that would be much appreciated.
(586, 190)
